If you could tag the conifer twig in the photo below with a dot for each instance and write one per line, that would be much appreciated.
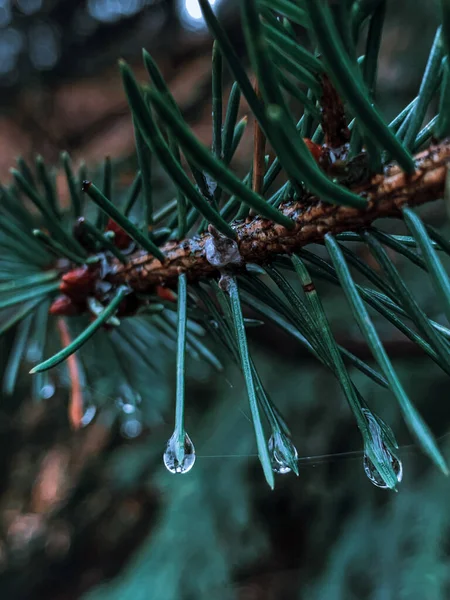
(260, 239)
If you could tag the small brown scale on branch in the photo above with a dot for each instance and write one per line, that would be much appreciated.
(259, 240)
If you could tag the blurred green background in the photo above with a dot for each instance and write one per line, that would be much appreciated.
(95, 515)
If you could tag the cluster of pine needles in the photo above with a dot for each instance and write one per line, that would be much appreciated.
(152, 282)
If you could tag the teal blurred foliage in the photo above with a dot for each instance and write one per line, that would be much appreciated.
(327, 534)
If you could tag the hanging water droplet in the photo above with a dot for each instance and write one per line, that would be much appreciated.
(283, 452)
(171, 462)
(47, 391)
(128, 409)
(375, 477)
(131, 428)
(221, 251)
(384, 446)
(88, 415)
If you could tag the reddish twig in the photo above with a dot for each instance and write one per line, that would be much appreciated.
(259, 239)
(76, 398)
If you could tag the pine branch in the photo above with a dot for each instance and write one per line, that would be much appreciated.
(259, 239)
(124, 262)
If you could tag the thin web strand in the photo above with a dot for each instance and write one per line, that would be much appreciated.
(306, 461)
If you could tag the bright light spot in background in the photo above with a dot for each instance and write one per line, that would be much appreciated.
(193, 8)
(191, 13)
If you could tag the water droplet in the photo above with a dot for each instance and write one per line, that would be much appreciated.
(375, 477)
(384, 446)
(128, 409)
(171, 461)
(220, 251)
(88, 415)
(283, 453)
(131, 428)
(47, 391)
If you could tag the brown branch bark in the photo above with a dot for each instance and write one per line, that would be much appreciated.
(260, 239)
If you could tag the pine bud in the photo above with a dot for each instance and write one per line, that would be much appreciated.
(121, 239)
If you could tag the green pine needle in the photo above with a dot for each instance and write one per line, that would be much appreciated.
(181, 355)
(241, 338)
(410, 413)
(349, 83)
(79, 341)
(96, 195)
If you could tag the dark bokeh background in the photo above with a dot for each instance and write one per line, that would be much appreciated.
(94, 514)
